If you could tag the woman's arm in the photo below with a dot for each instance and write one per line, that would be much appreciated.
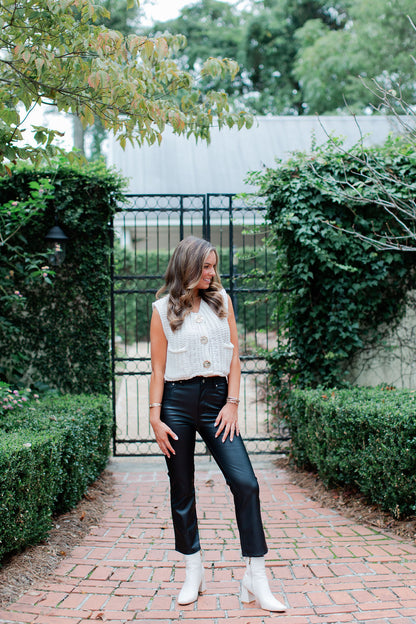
(158, 349)
(227, 419)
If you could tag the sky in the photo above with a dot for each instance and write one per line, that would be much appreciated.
(162, 10)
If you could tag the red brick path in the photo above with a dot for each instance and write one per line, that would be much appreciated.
(327, 568)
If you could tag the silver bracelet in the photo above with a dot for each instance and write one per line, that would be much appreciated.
(233, 400)
(155, 405)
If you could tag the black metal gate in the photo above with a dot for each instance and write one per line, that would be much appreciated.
(147, 229)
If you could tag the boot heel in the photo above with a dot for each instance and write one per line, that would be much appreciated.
(246, 595)
(203, 585)
(260, 586)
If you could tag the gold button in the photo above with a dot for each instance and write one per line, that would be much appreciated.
(199, 319)
(204, 339)
(207, 364)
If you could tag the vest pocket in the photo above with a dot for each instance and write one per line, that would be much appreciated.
(177, 365)
(179, 350)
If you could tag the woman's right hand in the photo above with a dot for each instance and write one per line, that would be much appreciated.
(162, 433)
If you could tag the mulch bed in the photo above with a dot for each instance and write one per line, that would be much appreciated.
(349, 503)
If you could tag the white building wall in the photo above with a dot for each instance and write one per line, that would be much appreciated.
(395, 363)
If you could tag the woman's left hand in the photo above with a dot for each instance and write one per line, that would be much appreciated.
(227, 422)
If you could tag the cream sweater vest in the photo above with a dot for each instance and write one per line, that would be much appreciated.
(201, 347)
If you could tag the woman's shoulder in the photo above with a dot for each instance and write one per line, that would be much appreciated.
(224, 295)
(161, 304)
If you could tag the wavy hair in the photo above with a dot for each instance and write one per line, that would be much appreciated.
(183, 275)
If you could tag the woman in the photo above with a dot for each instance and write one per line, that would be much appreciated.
(194, 386)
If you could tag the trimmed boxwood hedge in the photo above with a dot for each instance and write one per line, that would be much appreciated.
(30, 478)
(49, 455)
(363, 438)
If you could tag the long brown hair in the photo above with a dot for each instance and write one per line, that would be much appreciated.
(182, 276)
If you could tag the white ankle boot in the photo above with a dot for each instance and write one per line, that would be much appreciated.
(255, 585)
(194, 581)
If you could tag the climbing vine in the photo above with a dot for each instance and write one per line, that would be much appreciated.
(55, 332)
(338, 294)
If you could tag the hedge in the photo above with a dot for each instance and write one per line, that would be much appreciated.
(364, 438)
(337, 294)
(64, 325)
(49, 455)
(30, 478)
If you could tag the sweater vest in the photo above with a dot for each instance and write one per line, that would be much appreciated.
(200, 347)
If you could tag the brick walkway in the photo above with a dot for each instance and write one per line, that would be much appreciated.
(326, 567)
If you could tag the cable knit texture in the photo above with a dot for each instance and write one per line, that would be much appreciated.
(201, 347)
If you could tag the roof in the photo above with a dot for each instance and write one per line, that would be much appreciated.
(181, 165)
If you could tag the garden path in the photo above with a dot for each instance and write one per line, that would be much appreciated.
(327, 568)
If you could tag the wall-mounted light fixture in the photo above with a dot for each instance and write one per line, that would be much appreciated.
(56, 242)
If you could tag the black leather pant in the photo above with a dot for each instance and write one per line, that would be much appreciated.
(190, 406)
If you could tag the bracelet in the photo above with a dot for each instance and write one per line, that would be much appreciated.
(155, 405)
(233, 400)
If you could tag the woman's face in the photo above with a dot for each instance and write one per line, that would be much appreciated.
(208, 271)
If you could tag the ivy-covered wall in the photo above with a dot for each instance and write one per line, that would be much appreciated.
(338, 294)
(62, 333)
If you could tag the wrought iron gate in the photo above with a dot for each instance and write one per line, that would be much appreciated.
(147, 229)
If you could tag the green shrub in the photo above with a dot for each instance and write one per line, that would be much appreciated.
(55, 332)
(50, 452)
(337, 295)
(30, 479)
(363, 438)
(13, 399)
